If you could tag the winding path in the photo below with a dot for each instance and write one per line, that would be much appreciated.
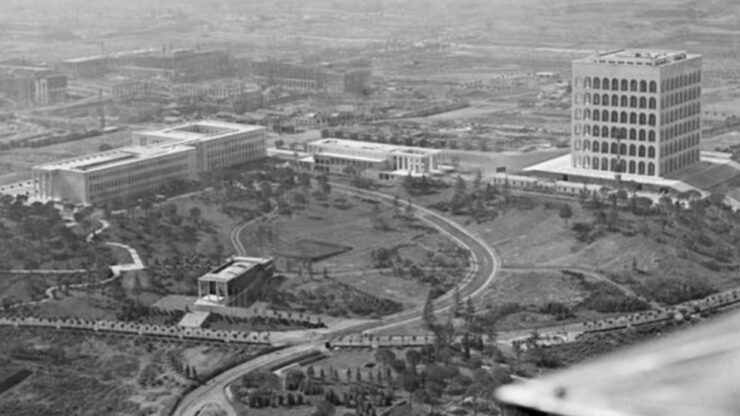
(485, 265)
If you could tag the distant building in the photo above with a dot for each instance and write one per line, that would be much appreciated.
(235, 283)
(636, 112)
(87, 67)
(354, 79)
(31, 85)
(155, 159)
(378, 161)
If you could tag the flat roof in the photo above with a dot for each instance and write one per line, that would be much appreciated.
(190, 131)
(376, 147)
(234, 268)
(105, 160)
(561, 165)
(649, 57)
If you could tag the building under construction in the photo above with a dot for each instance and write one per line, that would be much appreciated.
(32, 85)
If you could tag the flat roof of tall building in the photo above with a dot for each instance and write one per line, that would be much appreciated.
(376, 147)
(201, 130)
(105, 160)
(649, 57)
(234, 268)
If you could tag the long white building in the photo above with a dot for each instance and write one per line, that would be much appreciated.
(636, 112)
(380, 161)
(156, 158)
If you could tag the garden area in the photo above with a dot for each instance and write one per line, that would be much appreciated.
(84, 375)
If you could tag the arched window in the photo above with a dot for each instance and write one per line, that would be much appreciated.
(605, 99)
(578, 82)
(651, 169)
(641, 168)
(587, 114)
(604, 131)
(586, 130)
(615, 117)
(613, 164)
(643, 119)
(595, 163)
(633, 85)
(614, 149)
(605, 84)
(586, 162)
(578, 129)
(615, 84)
(624, 101)
(652, 103)
(651, 151)
(605, 115)
(615, 100)
(633, 118)
(586, 145)
(651, 136)
(596, 115)
(623, 117)
(643, 102)
(651, 119)
(642, 135)
(633, 134)
(641, 151)
(625, 85)
(614, 133)
(578, 114)
(623, 149)
(604, 163)
(587, 99)
(633, 101)
(597, 99)
(595, 130)
(597, 83)
(643, 86)
(604, 147)
(576, 144)
(632, 166)
(653, 86)
(633, 150)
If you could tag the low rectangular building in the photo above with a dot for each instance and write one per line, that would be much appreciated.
(117, 174)
(235, 283)
(382, 161)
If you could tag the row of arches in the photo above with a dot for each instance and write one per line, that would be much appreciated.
(615, 84)
(607, 164)
(622, 149)
(679, 145)
(680, 161)
(680, 113)
(616, 100)
(681, 81)
(615, 132)
(681, 129)
(680, 97)
(624, 117)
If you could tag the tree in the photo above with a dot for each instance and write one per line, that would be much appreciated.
(324, 408)
(410, 382)
(195, 214)
(469, 309)
(428, 313)
(412, 359)
(104, 147)
(457, 302)
(566, 212)
(458, 198)
(384, 356)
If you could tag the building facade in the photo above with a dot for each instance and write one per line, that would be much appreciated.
(236, 283)
(380, 161)
(636, 112)
(155, 159)
(29, 85)
(117, 174)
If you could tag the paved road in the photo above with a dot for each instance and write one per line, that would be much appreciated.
(485, 266)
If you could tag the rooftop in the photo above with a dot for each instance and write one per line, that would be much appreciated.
(201, 130)
(234, 268)
(117, 157)
(649, 57)
(373, 147)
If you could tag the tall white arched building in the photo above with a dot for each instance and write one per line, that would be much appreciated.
(636, 112)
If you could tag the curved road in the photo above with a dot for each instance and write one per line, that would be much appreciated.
(485, 266)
